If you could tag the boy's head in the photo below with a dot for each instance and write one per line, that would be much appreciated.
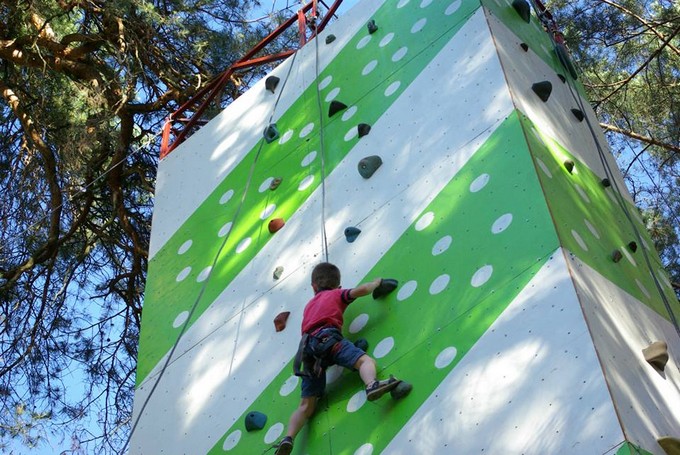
(325, 276)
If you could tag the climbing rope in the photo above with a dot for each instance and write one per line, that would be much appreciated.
(212, 266)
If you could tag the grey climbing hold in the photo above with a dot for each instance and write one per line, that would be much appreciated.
(372, 27)
(632, 246)
(387, 285)
(578, 113)
(330, 38)
(271, 133)
(543, 90)
(364, 129)
(271, 82)
(362, 344)
(351, 233)
(367, 166)
(656, 354)
(606, 183)
(524, 46)
(255, 421)
(275, 183)
(523, 9)
(616, 256)
(401, 390)
(335, 107)
(278, 271)
(569, 165)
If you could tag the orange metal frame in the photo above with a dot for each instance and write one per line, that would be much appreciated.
(180, 127)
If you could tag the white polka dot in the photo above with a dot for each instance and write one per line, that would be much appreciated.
(579, 240)
(305, 183)
(333, 373)
(370, 66)
(439, 284)
(592, 229)
(479, 183)
(183, 274)
(356, 402)
(425, 3)
(442, 245)
(264, 186)
(501, 223)
(386, 40)
(481, 276)
(308, 128)
(364, 41)
(273, 433)
(205, 273)
(365, 449)
(383, 348)
(628, 256)
(399, 54)
(402, 3)
(545, 49)
(453, 7)
(349, 113)
(231, 440)
(325, 82)
(445, 357)
(332, 94)
(224, 230)
(424, 221)
(180, 319)
(286, 136)
(307, 160)
(582, 193)
(407, 290)
(289, 386)
(418, 26)
(662, 275)
(644, 244)
(245, 243)
(185, 247)
(393, 87)
(543, 167)
(351, 134)
(643, 288)
(267, 212)
(358, 323)
(226, 197)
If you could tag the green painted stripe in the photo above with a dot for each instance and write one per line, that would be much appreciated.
(628, 448)
(508, 201)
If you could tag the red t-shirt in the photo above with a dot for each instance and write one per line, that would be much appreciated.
(326, 309)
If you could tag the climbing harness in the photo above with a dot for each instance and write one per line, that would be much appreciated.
(315, 352)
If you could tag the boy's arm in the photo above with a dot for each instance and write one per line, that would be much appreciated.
(365, 288)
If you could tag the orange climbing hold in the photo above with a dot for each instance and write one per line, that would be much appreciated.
(280, 320)
(276, 224)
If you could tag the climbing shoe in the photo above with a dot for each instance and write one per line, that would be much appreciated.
(285, 446)
(380, 388)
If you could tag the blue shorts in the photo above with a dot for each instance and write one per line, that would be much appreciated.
(346, 355)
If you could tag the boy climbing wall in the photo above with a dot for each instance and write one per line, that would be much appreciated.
(323, 345)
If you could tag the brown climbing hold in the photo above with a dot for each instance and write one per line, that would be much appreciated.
(275, 183)
(616, 256)
(280, 320)
(276, 224)
(670, 445)
(656, 354)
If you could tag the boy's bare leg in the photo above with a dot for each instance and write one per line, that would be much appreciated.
(301, 415)
(367, 369)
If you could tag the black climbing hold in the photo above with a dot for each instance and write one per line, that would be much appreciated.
(562, 78)
(387, 285)
(542, 89)
(335, 107)
(362, 344)
(275, 225)
(606, 183)
(330, 39)
(280, 320)
(255, 421)
(563, 55)
(271, 133)
(278, 271)
(578, 113)
(271, 82)
(372, 27)
(523, 9)
(632, 246)
(524, 46)
(364, 129)
(569, 165)
(351, 233)
(367, 166)
(616, 256)
(275, 183)
(401, 390)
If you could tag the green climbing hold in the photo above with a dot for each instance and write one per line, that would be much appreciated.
(401, 390)
(543, 90)
(330, 38)
(351, 233)
(255, 421)
(335, 107)
(271, 133)
(387, 285)
(523, 9)
(372, 27)
(271, 82)
(364, 129)
(367, 166)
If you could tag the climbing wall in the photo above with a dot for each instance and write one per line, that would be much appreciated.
(528, 288)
